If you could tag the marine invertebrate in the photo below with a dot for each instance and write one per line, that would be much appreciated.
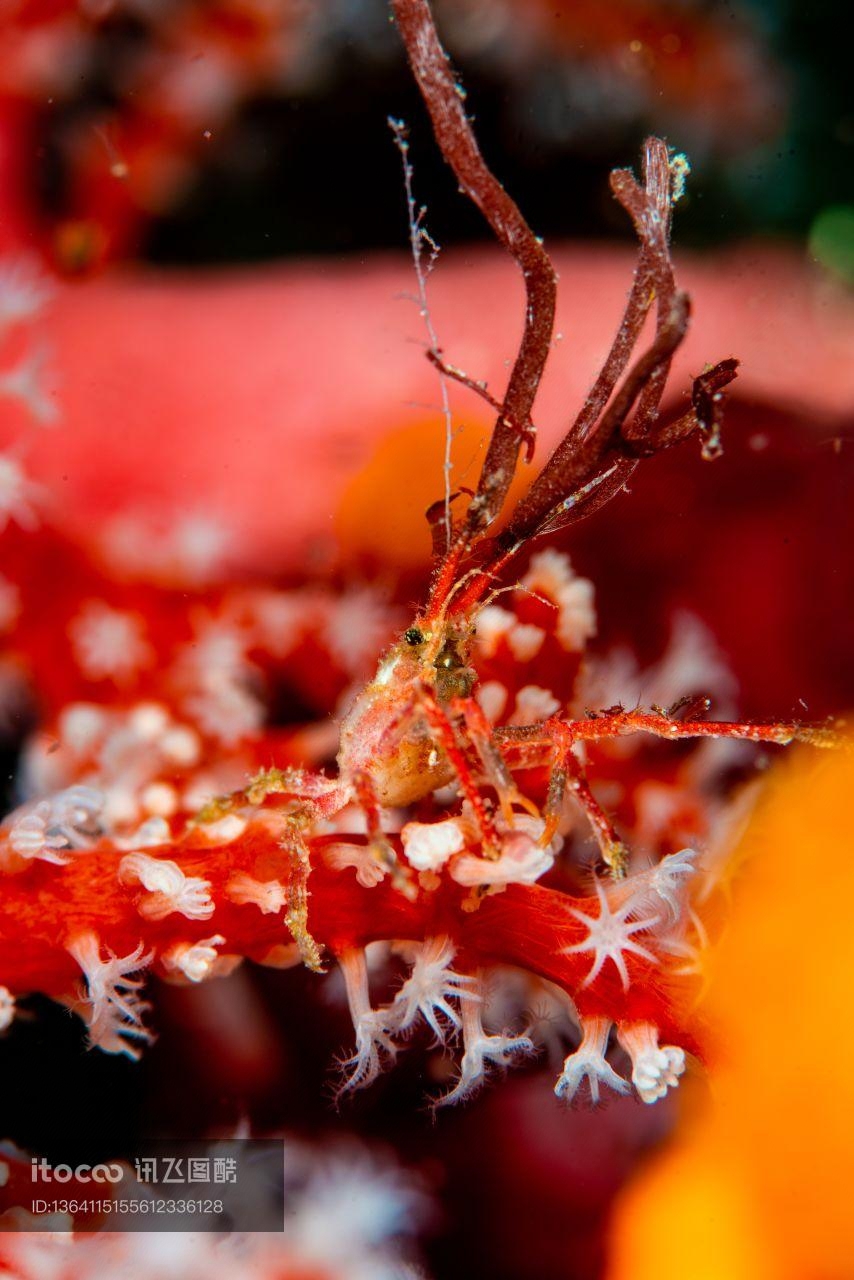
(462, 764)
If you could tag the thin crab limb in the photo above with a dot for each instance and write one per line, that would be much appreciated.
(434, 355)
(380, 847)
(614, 724)
(549, 743)
(568, 775)
(443, 728)
(444, 101)
(494, 766)
(527, 746)
(325, 795)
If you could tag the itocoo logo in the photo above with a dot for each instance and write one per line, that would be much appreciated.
(41, 1171)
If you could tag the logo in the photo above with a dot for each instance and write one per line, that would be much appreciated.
(41, 1171)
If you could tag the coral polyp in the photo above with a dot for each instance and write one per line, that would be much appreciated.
(488, 800)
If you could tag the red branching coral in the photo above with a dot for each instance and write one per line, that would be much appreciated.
(122, 859)
(465, 763)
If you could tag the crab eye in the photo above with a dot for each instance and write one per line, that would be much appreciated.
(413, 636)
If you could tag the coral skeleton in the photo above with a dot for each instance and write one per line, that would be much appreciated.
(484, 814)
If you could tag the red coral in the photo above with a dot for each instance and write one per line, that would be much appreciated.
(467, 761)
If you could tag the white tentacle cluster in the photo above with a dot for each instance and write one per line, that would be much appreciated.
(167, 888)
(588, 1063)
(112, 1008)
(655, 1068)
(609, 937)
(428, 991)
(53, 829)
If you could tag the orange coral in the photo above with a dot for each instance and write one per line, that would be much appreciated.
(756, 1183)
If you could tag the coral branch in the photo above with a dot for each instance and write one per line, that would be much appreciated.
(445, 102)
(598, 437)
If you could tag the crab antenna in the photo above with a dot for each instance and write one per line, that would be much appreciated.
(443, 98)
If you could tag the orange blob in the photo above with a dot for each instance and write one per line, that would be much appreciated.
(381, 516)
(757, 1185)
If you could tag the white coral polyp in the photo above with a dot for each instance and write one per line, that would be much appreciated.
(356, 627)
(108, 643)
(493, 623)
(82, 725)
(492, 697)
(160, 799)
(78, 807)
(588, 1063)
(25, 382)
(53, 829)
(427, 846)
(523, 859)
(30, 837)
(223, 830)
(431, 986)
(268, 896)
(375, 1048)
(7, 1010)
(655, 1068)
(609, 937)
(668, 880)
(369, 871)
(225, 711)
(550, 574)
(24, 288)
(482, 1053)
(195, 961)
(17, 495)
(525, 641)
(181, 746)
(663, 890)
(113, 1010)
(167, 889)
(533, 703)
(148, 835)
